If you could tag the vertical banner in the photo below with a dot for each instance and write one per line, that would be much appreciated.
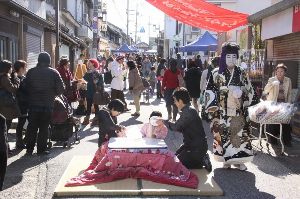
(296, 18)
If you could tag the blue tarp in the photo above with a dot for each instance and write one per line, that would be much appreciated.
(124, 49)
(205, 43)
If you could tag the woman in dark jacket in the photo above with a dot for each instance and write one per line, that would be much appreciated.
(70, 92)
(159, 76)
(8, 89)
(107, 118)
(94, 82)
(169, 84)
(192, 81)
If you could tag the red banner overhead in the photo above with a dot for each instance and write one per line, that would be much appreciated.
(201, 14)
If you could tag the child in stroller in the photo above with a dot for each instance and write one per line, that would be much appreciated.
(64, 126)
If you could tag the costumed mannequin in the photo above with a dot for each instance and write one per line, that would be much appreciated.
(227, 97)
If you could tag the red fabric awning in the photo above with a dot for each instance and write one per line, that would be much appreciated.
(201, 14)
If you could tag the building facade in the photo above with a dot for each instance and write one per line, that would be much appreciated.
(280, 33)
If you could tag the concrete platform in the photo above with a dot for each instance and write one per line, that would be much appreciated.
(131, 187)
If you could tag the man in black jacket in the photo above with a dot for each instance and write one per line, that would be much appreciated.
(42, 84)
(3, 150)
(193, 152)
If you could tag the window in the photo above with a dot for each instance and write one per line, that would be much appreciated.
(13, 50)
(194, 29)
(8, 49)
(2, 48)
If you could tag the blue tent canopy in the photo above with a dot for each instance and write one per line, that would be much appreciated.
(124, 49)
(205, 43)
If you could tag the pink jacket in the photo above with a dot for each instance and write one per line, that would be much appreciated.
(160, 132)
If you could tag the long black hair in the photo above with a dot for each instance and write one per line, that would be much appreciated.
(131, 65)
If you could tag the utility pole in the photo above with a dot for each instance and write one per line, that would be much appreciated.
(127, 12)
(136, 18)
(149, 24)
(57, 32)
(177, 44)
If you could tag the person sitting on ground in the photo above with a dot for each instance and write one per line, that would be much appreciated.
(193, 152)
(107, 118)
(155, 128)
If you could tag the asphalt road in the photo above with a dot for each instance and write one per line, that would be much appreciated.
(268, 176)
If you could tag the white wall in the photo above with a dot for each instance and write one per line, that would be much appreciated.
(278, 24)
(170, 32)
(79, 11)
(38, 7)
(247, 7)
(71, 6)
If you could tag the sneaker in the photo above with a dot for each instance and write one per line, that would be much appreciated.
(206, 163)
(126, 109)
(226, 166)
(241, 167)
(135, 114)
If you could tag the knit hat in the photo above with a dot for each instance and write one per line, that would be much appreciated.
(95, 63)
(119, 57)
(228, 48)
(44, 58)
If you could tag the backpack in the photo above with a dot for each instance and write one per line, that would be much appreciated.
(107, 77)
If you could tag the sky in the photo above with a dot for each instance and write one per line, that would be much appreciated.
(116, 14)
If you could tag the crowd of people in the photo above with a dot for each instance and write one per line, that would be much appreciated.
(221, 91)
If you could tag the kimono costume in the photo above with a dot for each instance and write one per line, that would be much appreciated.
(227, 98)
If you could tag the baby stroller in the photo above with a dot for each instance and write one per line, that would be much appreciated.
(147, 90)
(64, 127)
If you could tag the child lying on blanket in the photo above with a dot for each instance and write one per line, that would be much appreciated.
(155, 128)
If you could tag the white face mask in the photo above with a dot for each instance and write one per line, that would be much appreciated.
(153, 120)
(80, 62)
(231, 60)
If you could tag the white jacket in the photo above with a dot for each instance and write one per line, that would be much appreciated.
(272, 90)
(117, 75)
(203, 81)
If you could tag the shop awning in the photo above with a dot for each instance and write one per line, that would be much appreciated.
(124, 49)
(201, 14)
(205, 43)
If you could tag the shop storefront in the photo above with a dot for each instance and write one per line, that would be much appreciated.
(280, 31)
(34, 42)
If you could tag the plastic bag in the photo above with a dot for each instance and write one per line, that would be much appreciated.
(269, 112)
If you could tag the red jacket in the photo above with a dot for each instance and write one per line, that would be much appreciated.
(170, 80)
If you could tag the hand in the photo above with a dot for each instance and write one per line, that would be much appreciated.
(159, 122)
(275, 83)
